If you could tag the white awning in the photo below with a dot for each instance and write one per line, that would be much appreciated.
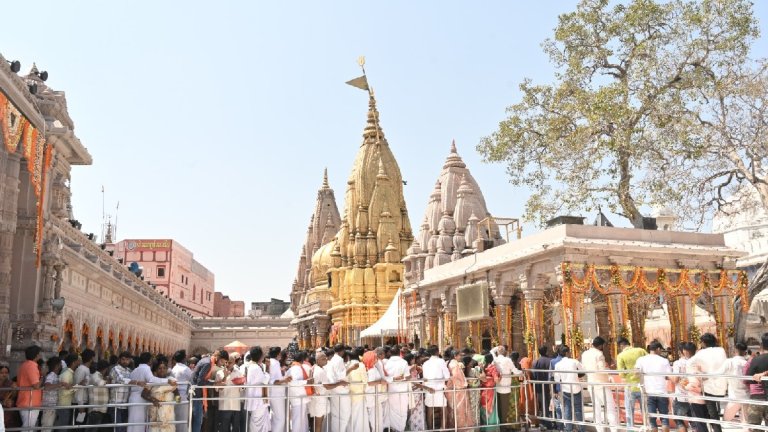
(759, 304)
(387, 324)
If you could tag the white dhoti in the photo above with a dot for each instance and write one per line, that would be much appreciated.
(358, 420)
(137, 414)
(436, 399)
(318, 406)
(278, 413)
(398, 411)
(340, 413)
(259, 417)
(181, 412)
(604, 407)
(376, 416)
(299, 420)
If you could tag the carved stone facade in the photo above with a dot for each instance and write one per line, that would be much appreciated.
(59, 289)
(524, 280)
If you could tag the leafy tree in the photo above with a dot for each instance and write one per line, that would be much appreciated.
(653, 104)
(617, 127)
(730, 175)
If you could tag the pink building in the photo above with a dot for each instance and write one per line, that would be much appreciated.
(173, 269)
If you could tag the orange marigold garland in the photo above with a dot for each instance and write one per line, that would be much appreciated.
(639, 281)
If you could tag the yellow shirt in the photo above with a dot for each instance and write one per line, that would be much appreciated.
(626, 361)
(358, 381)
(65, 395)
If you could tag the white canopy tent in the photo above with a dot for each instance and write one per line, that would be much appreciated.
(387, 325)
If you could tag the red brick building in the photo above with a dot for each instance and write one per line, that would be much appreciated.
(223, 306)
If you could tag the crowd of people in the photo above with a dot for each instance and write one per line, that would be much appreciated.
(393, 388)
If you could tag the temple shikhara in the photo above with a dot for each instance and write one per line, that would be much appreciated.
(350, 267)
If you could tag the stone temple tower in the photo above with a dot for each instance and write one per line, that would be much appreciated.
(361, 267)
(308, 305)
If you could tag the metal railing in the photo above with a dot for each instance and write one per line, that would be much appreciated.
(112, 414)
(562, 400)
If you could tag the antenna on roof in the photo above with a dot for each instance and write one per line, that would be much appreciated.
(114, 228)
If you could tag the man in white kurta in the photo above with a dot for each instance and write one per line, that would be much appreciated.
(593, 359)
(358, 382)
(435, 373)
(397, 373)
(340, 403)
(255, 404)
(183, 375)
(318, 405)
(297, 393)
(277, 393)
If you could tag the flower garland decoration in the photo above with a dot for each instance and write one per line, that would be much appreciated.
(639, 281)
(577, 338)
(624, 332)
(694, 333)
(12, 123)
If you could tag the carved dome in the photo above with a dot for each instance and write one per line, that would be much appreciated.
(454, 201)
(322, 261)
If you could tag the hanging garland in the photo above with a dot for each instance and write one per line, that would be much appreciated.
(639, 282)
(12, 123)
(15, 129)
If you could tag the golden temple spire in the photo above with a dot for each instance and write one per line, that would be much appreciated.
(372, 133)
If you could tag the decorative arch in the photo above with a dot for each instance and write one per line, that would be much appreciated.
(68, 337)
(111, 348)
(99, 343)
(85, 337)
(120, 340)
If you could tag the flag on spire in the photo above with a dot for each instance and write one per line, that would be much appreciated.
(360, 82)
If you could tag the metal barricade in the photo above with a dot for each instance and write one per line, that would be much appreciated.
(406, 405)
(604, 400)
(701, 422)
(94, 415)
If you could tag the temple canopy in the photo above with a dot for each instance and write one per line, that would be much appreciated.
(387, 324)
(236, 346)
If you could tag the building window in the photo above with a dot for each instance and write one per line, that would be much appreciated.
(181, 294)
(209, 296)
(194, 293)
(161, 272)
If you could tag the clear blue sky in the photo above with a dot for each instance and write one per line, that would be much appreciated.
(211, 122)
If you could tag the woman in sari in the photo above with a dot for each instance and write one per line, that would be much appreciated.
(8, 398)
(458, 402)
(489, 413)
(161, 413)
(416, 414)
(475, 376)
